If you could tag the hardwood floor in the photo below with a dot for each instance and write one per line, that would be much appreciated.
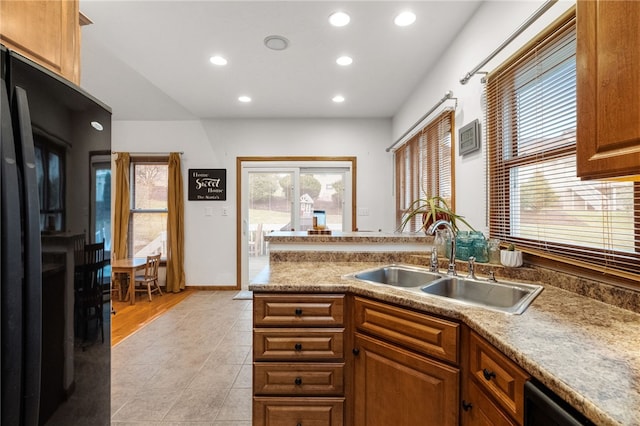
(129, 318)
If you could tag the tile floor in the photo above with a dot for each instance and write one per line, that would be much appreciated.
(191, 366)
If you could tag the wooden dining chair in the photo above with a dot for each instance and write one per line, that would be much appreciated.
(88, 291)
(148, 283)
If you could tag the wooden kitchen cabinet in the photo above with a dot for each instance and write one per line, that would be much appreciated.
(479, 410)
(45, 31)
(399, 374)
(299, 373)
(493, 385)
(608, 83)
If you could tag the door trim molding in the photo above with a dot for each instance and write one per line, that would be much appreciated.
(302, 159)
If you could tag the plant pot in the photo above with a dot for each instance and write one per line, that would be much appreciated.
(511, 258)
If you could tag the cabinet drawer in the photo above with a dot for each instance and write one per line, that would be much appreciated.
(298, 379)
(498, 376)
(298, 411)
(298, 344)
(298, 310)
(421, 332)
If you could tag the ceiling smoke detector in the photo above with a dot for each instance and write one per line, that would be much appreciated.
(276, 42)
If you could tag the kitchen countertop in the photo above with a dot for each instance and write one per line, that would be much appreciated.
(369, 237)
(586, 351)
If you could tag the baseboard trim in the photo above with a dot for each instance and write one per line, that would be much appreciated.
(213, 287)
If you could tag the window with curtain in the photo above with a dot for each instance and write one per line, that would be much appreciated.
(149, 195)
(536, 200)
(423, 167)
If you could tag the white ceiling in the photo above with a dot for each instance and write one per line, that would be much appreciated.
(149, 60)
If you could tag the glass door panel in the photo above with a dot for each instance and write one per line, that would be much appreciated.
(269, 209)
(322, 190)
(268, 204)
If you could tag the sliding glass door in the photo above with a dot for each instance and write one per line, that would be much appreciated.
(278, 196)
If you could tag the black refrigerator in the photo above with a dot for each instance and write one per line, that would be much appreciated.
(50, 129)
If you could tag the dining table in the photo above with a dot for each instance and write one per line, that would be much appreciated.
(129, 266)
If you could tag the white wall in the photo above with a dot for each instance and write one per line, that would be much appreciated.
(210, 241)
(492, 24)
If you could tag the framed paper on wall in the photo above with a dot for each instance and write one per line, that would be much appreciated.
(469, 138)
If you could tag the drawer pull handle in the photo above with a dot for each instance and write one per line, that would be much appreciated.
(298, 424)
(298, 346)
(488, 374)
(298, 311)
(298, 381)
(466, 406)
(356, 351)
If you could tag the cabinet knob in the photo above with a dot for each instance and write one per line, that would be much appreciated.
(298, 311)
(466, 406)
(298, 346)
(488, 374)
(298, 424)
(298, 381)
(356, 351)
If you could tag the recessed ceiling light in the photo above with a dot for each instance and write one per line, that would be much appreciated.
(344, 60)
(276, 42)
(96, 125)
(218, 60)
(339, 19)
(338, 98)
(405, 18)
(244, 99)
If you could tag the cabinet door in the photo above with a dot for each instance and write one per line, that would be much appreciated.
(480, 410)
(394, 386)
(47, 32)
(608, 82)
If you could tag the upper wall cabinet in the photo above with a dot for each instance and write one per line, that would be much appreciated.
(608, 74)
(47, 32)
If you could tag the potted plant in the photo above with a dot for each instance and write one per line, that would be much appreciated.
(432, 209)
(511, 257)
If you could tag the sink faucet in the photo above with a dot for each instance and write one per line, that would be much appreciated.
(452, 253)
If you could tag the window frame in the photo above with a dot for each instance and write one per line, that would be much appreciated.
(142, 160)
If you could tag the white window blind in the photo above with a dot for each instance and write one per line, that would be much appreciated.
(536, 200)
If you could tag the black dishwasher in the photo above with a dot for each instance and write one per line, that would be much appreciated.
(544, 408)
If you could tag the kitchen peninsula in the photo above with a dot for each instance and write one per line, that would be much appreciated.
(584, 350)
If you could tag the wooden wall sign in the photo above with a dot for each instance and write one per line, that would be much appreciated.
(207, 184)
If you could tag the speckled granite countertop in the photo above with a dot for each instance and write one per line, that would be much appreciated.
(345, 237)
(586, 351)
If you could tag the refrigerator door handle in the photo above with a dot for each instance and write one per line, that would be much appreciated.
(32, 259)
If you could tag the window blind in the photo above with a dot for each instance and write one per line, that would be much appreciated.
(535, 199)
(424, 168)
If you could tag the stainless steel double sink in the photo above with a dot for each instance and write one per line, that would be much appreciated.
(503, 296)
